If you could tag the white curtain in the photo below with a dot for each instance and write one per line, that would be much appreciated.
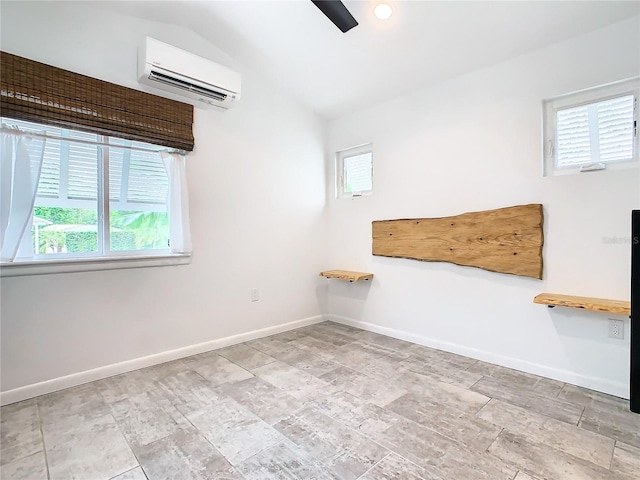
(20, 166)
(178, 203)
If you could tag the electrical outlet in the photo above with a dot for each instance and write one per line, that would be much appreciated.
(616, 329)
(255, 295)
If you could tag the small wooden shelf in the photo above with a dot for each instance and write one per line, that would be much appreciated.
(586, 303)
(346, 275)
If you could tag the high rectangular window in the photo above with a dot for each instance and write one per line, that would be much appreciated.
(591, 130)
(354, 168)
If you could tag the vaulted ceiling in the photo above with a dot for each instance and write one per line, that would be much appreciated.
(423, 43)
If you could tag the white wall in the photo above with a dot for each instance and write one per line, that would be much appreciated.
(474, 143)
(257, 195)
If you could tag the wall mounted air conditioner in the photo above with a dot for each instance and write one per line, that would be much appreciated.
(201, 82)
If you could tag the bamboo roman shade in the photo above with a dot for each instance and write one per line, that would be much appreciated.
(45, 94)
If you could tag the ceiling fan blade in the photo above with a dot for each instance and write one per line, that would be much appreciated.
(337, 13)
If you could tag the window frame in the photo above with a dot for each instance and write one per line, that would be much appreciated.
(339, 162)
(104, 258)
(550, 108)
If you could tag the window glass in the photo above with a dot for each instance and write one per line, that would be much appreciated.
(60, 229)
(357, 173)
(65, 215)
(68, 217)
(138, 187)
(354, 171)
(596, 132)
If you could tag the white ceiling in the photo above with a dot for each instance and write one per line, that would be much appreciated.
(423, 43)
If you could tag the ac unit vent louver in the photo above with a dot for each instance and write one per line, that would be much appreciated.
(175, 82)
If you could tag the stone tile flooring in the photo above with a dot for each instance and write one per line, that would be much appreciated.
(322, 402)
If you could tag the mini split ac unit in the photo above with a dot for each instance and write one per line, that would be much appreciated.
(202, 82)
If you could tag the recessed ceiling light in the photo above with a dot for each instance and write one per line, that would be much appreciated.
(383, 11)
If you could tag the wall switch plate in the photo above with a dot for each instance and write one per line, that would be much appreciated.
(616, 329)
(255, 295)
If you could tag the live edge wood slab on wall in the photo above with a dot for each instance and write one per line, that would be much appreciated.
(505, 240)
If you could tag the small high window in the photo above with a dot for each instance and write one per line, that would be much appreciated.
(592, 130)
(354, 169)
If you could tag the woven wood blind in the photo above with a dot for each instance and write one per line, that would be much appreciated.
(45, 94)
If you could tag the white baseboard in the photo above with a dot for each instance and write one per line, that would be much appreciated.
(60, 383)
(67, 381)
(593, 383)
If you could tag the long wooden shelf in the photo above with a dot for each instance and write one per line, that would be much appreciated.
(505, 240)
(347, 275)
(586, 303)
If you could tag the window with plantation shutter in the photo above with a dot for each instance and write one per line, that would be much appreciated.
(70, 170)
(592, 130)
(597, 132)
(354, 168)
(69, 213)
(101, 200)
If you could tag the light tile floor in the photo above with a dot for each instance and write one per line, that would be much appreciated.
(322, 402)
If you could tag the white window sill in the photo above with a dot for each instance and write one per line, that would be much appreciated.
(554, 171)
(351, 196)
(69, 265)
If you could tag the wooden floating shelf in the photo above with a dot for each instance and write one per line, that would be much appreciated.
(505, 240)
(585, 303)
(347, 275)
